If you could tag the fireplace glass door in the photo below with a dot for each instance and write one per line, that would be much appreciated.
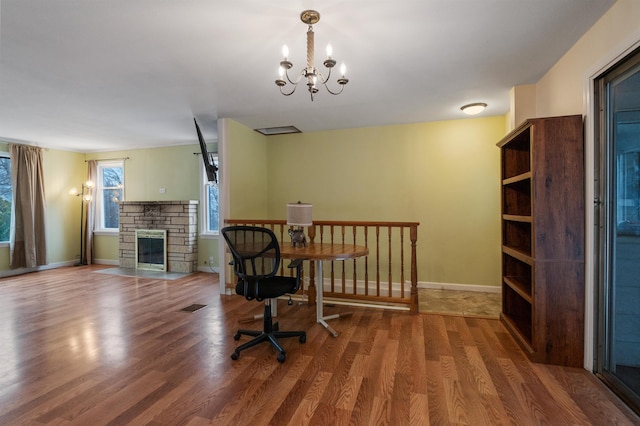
(151, 249)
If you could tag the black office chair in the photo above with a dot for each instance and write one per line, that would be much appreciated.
(256, 259)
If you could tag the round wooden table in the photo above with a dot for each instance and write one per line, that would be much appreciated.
(318, 252)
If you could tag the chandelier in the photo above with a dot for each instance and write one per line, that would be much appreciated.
(312, 76)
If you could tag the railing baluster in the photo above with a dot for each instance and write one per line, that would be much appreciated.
(413, 299)
(377, 260)
(402, 262)
(390, 263)
(336, 232)
(366, 261)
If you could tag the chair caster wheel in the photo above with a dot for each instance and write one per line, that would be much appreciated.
(235, 355)
(281, 358)
(303, 339)
(236, 336)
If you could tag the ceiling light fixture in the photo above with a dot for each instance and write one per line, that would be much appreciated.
(310, 73)
(473, 109)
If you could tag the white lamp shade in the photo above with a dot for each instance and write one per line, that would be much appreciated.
(299, 214)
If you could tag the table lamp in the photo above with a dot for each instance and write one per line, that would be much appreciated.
(299, 215)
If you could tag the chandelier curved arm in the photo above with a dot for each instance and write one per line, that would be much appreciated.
(290, 93)
(282, 83)
(300, 75)
(324, 81)
(331, 91)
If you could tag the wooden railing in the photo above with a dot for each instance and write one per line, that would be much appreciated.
(387, 276)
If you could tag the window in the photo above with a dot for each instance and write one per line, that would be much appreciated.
(209, 203)
(109, 192)
(6, 196)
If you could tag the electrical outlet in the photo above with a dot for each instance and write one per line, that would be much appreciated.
(211, 260)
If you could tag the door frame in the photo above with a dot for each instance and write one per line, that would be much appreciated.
(604, 206)
(607, 62)
(604, 202)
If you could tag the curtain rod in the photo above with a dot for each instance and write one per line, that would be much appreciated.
(108, 159)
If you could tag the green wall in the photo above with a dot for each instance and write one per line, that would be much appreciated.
(245, 165)
(146, 171)
(63, 170)
(175, 170)
(444, 175)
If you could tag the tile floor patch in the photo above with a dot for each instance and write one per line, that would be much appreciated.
(456, 302)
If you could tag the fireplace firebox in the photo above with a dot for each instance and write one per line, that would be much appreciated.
(151, 249)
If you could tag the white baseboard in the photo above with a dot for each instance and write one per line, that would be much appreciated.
(106, 262)
(423, 284)
(20, 271)
(460, 287)
(396, 288)
(214, 270)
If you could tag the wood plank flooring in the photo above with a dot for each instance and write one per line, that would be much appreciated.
(84, 348)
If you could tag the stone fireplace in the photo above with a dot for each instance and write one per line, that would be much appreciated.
(178, 218)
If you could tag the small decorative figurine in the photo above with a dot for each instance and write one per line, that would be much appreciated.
(298, 239)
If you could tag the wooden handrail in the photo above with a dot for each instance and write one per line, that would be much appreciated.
(379, 277)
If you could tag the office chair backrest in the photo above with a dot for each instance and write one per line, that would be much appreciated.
(255, 251)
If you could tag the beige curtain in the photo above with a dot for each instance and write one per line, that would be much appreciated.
(90, 223)
(28, 247)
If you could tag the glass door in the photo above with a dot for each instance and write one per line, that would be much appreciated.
(618, 221)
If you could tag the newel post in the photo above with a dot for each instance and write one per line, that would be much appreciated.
(311, 291)
(414, 270)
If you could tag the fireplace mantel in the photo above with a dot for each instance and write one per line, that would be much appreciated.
(178, 218)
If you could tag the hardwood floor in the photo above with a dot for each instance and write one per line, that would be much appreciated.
(85, 348)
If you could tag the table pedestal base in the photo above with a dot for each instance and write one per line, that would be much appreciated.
(318, 252)
(321, 318)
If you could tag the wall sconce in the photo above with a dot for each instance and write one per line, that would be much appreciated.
(299, 214)
(86, 199)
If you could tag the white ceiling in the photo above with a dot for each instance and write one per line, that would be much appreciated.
(101, 75)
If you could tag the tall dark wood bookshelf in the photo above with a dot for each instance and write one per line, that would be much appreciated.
(542, 165)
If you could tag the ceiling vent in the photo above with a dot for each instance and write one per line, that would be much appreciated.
(282, 130)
